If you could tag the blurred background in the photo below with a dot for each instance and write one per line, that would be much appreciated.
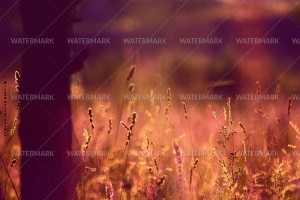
(228, 68)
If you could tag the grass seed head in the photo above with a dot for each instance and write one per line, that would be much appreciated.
(243, 127)
(156, 164)
(13, 162)
(90, 114)
(185, 110)
(167, 113)
(17, 80)
(289, 106)
(195, 163)
(131, 87)
(109, 125)
(131, 72)
(169, 97)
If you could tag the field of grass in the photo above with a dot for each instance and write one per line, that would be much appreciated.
(177, 121)
(170, 148)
